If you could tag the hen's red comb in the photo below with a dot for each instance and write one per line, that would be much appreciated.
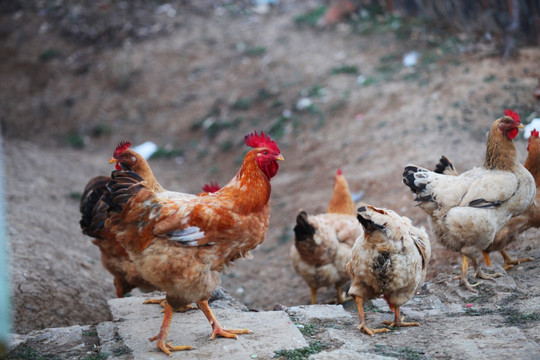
(514, 115)
(211, 188)
(339, 171)
(255, 140)
(123, 146)
(534, 133)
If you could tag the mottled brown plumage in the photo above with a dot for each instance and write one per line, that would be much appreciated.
(390, 260)
(323, 243)
(322, 248)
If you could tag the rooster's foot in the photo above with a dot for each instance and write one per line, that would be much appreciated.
(161, 337)
(371, 332)
(400, 324)
(228, 333)
(168, 347)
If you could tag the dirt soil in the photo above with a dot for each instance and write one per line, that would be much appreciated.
(194, 79)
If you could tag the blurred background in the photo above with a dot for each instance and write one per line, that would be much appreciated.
(361, 86)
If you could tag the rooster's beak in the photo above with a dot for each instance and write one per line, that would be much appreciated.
(521, 126)
(112, 160)
(280, 157)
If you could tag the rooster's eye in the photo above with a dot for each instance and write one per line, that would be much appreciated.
(265, 153)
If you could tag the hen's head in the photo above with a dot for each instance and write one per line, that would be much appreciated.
(124, 157)
(510, 124)
(268, 152)
(533, 137)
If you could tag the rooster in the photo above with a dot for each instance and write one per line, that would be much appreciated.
(181, 242)
(94, 212)
(389, 260)
(323, 242)
(466, 211)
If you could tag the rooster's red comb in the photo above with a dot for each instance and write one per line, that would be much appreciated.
(534, 133)
(514, 115)
(123, 146)
(338, 171)
(255, 140)
(211, 188)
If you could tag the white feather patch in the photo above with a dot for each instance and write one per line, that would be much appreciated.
(187, 236)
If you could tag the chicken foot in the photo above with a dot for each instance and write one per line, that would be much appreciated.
(398, 321)
(479, 274)
(161, 337)
(361, 314)
(463, 276)
(509, 262)
(163, 302)
(217, 330)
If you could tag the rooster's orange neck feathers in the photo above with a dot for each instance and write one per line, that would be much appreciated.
(252, 183)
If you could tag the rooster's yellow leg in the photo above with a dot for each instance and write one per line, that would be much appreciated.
(361, 315)
(463, 276)
(217, 330)
(313, 295)
(478, 273)
(340, 298)
(161, 338)
(509, 262)
(398, 321)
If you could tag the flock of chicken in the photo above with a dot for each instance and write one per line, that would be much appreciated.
(179, 243)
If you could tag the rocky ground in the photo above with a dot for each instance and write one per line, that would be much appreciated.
(194, 79)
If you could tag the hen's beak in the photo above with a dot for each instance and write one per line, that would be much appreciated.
(112, 160)
(280, 157)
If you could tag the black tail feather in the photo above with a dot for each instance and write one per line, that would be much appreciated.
(303, 230)
(409, 179)
(444, 165)
(93, 209)
(122, 187)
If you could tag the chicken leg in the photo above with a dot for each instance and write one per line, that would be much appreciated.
(398, 320)
(313, 295)
(463, 276)
(217, 330)
(362, 326)
(161, 337)
(509, 262)
(340, 298)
